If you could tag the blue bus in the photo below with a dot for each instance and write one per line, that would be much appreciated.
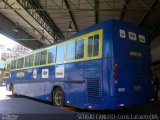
(106, 66)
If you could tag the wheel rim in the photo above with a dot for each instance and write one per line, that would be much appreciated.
(58, 98)
(12, 90)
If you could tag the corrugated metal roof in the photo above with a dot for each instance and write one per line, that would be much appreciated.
(83, 13)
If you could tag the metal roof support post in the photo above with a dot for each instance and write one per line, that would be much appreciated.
(125, 6)
(21, 16)
(96, 10)
(41, 17)
(71, 15)
(148, 12)
(153, 31)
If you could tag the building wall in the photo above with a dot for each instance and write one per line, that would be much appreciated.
(155, 49)
(1, 76)
(16, 51)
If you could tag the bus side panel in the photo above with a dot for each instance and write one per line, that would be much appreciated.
(39, 87)
(77, 76)
(93, 81)
(108, 101)
(74, 84)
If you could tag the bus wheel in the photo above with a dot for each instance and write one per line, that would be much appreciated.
(12, 90)
(58, 97)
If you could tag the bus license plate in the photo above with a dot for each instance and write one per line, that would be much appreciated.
(137, 87)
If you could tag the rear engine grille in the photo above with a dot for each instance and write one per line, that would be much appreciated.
(93, 88)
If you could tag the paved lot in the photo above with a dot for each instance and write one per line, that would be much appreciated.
(27, 109)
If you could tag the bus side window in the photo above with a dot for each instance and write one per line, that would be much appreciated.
(8, 67)
(43, 57)
(18, 63)
(31, 60)
(90, 46)
(70, 51)
(22, 62)
(12, 65)
(37, 58)
(60, 54)
(96, 45)
(93, 46)
(26, 61)
(79, 49)
(52, 55)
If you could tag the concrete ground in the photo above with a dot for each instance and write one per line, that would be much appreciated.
(27, 109)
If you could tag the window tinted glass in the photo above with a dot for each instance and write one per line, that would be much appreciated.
(96, 45)
(31, 59)
(90, 42)
(93, 46)
(51, 55)
(43, 57)
(70, 50)
(22, 62)
(37, 58)
(8, 67)
(79, 49)
(26, 61)
(60, 54)
(13, 64)
(18, 63)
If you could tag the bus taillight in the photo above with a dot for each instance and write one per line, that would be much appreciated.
(115, 76)
(115, 64)
(115, 70)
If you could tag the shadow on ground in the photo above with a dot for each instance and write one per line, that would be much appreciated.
(146, 108)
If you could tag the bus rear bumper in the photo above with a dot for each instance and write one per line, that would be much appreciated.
(130, 100)
(119, 102)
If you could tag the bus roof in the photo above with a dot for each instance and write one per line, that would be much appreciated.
(86, 30)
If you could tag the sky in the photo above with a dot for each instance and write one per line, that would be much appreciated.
(7, 42)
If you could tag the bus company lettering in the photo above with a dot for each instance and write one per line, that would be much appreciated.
(59, 73)
(20, 74)
(135, 54)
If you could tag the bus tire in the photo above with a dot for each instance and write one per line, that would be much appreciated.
(12, 89)
(58, 97)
